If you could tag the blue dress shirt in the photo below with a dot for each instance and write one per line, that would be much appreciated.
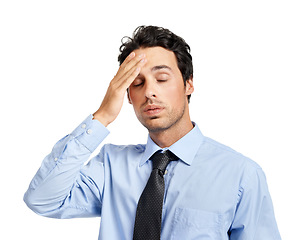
(212, 192)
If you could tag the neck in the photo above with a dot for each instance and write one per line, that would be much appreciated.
(166, 138)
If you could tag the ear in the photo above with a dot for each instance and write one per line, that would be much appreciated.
(189, 86)
(128, 94)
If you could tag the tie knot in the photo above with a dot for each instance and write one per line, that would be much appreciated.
(160, 160)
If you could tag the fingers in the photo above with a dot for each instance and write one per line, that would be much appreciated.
(128, 59)
(129, 71)
(133, 73)
(129, 65)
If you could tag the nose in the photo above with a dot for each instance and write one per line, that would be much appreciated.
(150, 89)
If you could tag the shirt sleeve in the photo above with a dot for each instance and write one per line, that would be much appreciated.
(254, 218)
(63, 186)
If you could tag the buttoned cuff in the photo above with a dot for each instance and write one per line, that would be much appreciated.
(90, 133)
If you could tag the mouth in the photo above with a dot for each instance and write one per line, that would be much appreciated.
(152, 109)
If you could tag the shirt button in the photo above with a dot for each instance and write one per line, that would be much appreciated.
(83, 126)
(55, 159)
(89, 131)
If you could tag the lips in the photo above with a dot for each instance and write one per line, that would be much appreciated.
(152, 109)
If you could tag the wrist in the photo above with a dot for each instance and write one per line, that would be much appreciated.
(101, 118)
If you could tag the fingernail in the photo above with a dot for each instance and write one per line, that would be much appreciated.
(132, 54)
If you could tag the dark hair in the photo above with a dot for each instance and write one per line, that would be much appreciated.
(152, 36)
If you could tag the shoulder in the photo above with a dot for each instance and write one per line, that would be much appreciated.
(246, 171)
(229, 156)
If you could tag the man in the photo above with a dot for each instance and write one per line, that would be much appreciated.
(180, 185)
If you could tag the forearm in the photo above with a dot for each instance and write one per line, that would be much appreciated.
(53, 182)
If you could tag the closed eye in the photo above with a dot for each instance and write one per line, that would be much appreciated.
(162, 77)
(137, 82)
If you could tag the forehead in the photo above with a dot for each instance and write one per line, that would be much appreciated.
(157, 56)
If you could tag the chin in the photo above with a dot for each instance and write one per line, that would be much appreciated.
(155, 124)
(151, 123)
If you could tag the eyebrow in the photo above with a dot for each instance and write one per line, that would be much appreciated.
(159, 67)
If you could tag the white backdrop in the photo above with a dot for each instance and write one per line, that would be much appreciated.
(58, 57)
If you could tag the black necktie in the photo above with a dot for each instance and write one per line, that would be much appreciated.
(149, 209)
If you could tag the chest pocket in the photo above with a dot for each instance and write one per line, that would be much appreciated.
(192, 224)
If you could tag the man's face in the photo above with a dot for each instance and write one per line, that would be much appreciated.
(158, 94)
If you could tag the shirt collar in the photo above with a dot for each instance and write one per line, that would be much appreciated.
(185, 148)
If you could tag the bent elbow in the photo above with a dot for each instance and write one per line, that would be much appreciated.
(32, 202)
(41, 206)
